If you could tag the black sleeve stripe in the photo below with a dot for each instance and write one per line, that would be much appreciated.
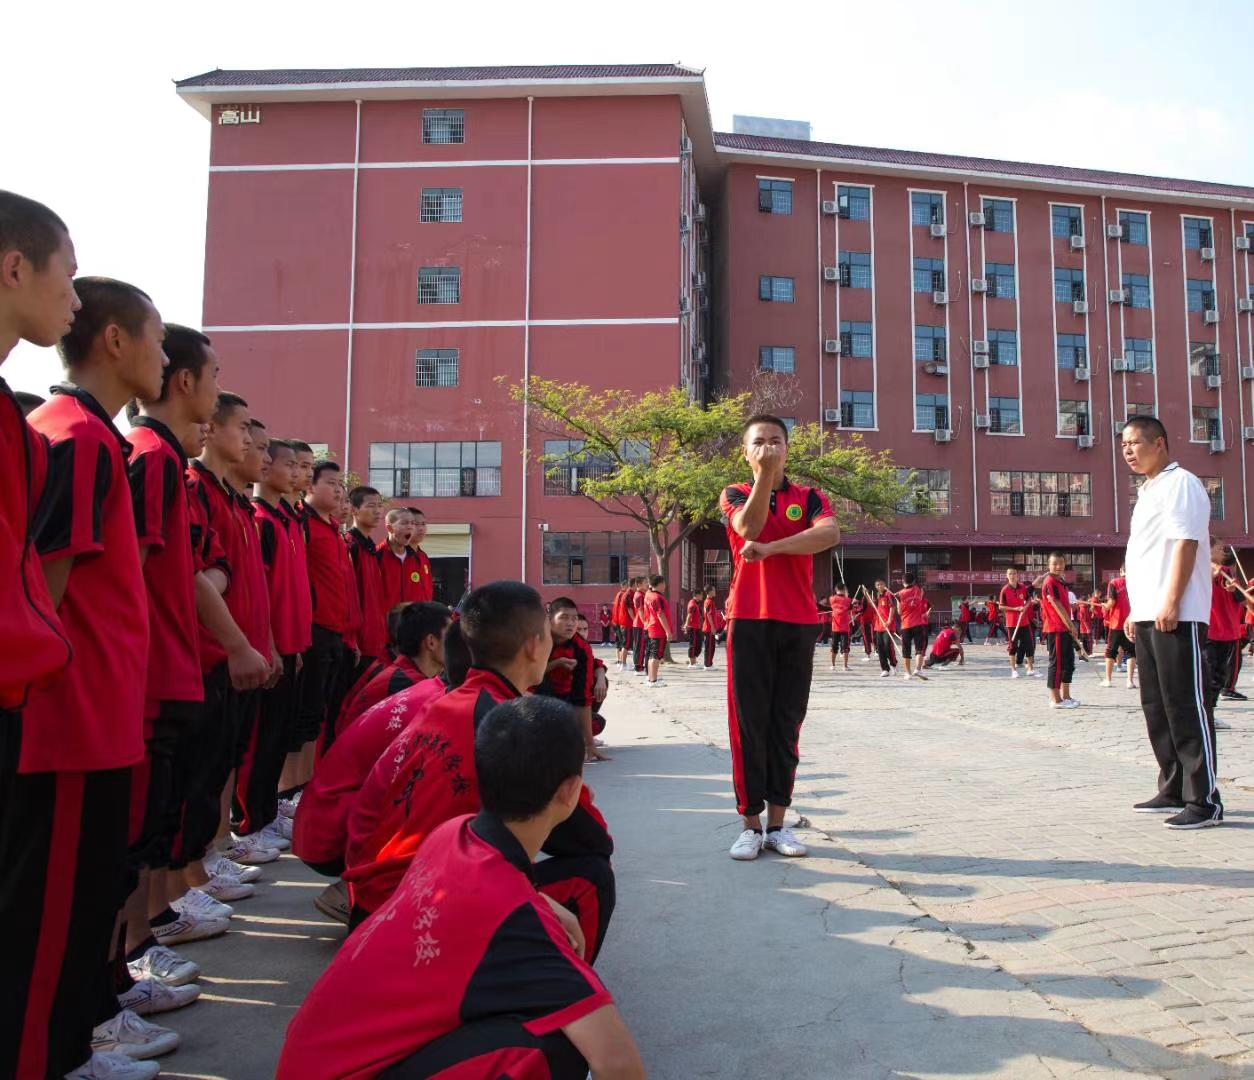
(172, 490)
(733, 496)
(484, 704)
(53, 528)
(814, 504)
(100, 492)
(137, 474)
(399, 681)
(269, 541)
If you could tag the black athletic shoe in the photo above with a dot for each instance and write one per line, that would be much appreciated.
(1159, 805)
(1232, 695)
(1192, 818)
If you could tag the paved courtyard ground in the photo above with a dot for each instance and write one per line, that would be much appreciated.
(980, 899)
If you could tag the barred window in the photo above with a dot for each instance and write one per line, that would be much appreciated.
(1214, 486)
(1204, 359)
(1205, 423)
(443, 125)
(929, 275)
(595, 558)
(1141, 352)
(1040, 494)
(999, 215)
(1201, 295)
(781, 359)
(1073, 418)
(857, 409)
(931, 412)
(927, 208)
(1197, 234)
(563, 477)
(716, 569)
(853, 203)
(437, 368)
(777, 290)
(1003, 415)
(855, 269)
(1003, 347)
(440, 285)
(775, 196)
(1068, 285)
(856, 340)
(1001, 280)
(442, 470)
(1138, 287)
(441, 205)
(929, 344)
(929, 491)
(1135, 227)
(1072, 352)
(1067, 221)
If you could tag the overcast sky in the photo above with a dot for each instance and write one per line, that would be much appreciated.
(91, 124)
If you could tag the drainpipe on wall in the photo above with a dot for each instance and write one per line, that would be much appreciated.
(526, 417)
(352, 297)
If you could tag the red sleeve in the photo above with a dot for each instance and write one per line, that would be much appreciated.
(70, 519)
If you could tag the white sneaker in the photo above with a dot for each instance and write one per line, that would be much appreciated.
(216, 863)
(905, 674)
(657, 682)
(198, 902)
(1071, 703)
(643, 673)
(280, 826)
(1131, 685)
(1222, 725)
(885, 674)
(1106, 682)
(287, 807)
(866, 659)
(106, 1065)
(334, 903)
(748, 846)
(164, 965)
(251, 853)
(127, 1034)
(1014, 673)
(224, 888)
(149, 997)
(784, 842)
(273, 837)
(189, 927)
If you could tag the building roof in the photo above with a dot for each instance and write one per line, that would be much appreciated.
(523, 73)
(1010, 171)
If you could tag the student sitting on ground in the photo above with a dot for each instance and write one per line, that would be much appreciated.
(600, 685)
(469, 970)
(946, 650)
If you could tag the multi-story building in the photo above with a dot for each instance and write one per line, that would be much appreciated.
(389, 250)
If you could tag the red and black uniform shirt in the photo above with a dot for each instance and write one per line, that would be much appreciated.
(656, 607)
(368, 574)
(637, 609)
(964, 613)
(616, 612)
(254, 566)
(885, 616)
(913, 606)
(780, 588)
(34, 646)
(425, 582)
(466, 938)
(301, 599)
(287, 582)
(694, 614)
(1055, 589)
(1227, 611)
(841, 607)
(945, 643)
(320, 830)
(1016, 597)
(391, 679)
(400, 576)
(576, 686)
(711, 621)
(92, 716)
(1118, 592)
(992, 613)
(1085, 617)
(330, 577)
(163, 527)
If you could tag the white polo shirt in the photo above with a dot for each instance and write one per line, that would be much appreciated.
(1173, 506)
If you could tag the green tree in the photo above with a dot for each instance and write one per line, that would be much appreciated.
(663, 461)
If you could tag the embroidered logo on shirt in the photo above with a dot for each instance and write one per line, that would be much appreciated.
(793, 513)
(415, 577)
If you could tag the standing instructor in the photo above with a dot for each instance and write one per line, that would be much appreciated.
(774, 528)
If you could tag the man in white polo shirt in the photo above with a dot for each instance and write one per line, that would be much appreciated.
(1169, 595)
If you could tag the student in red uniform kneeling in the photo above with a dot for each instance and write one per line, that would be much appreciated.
(946, 650)
(468, 971)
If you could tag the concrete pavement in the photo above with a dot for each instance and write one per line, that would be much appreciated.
(979, 900)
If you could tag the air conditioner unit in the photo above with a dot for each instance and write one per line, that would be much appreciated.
(938, 229)
(831, 416)
(703, 370)
(1214, 382)
(829, 207)
(979, 284)
(685, 224)
(1247, 433)
(940, 298)
(983, 421)
(1241, 243)
(699, 213)
(699, 280)
(1245, 305)
(1114, 232)
(936, 369)
(980, 361)
(685, 146)
(1119, 363)
(943, 435)
(1247, 372)
(831, 273)
(1081, 374)
(979, 348)
(1207, 253)
(1077, 242)
(1080, 307)
(1118, 296)
(1210, 317)
(1084, 442)
(1216, 446)
(831, 346)
(976, 218)
(685, 306)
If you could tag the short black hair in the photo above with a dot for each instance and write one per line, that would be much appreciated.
(300, 447)
(324, 466)
(1057, 555)
(764, 418)
(525, 749)
(562, 603)
(279, 445)
(29, 228)
(1150, 426)
(656, 580)
(28, 401)
(106, 302)
(185, 351)
(415, 510)
(360, 494)
(907, 579)
(253, 422)
(227, 404)
(417, 621)
(456, 655)
(394, 620)
(498, 619)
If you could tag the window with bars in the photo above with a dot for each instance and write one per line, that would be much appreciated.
(1138, 289)
(929, 344)
(775, 196)
(781, 359)
(440, 205)
(1204, 359)
(999, 215)
(1073, 418)
(441, 470)
(929, 275)
(1003, 348)
(857, 409)
(1198, 234)
(927, 208)
(855, 269)
(1072, 352)
(443, 126)
(853, 203)
(1068, 285)
(716, 568)
(1141, 352)
(1001, 280)
(1040, 494)
(1003, 415)
(1067, 221)
(566, 466)
(776, 290)
(440, 285)
(1205, 423)
(594, 558)
(856, 340)
(437, 368)
(1214, 486)
(1201, 295)
(1134, 488)
(1135, 227)
(931, 412)
(929, 491)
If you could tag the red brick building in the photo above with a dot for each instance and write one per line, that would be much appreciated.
(384, 245)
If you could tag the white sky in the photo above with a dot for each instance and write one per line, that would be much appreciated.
(91, 124)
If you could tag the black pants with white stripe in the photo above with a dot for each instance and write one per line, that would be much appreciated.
(1061, 660)
(1174, 688)
(1223, 662)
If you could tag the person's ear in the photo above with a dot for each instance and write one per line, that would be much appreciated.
(567, 795)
